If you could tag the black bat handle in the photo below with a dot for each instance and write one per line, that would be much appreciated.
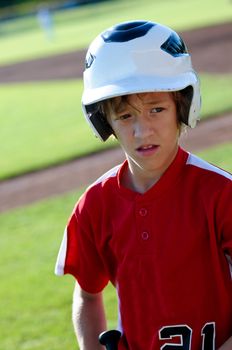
(110, 339)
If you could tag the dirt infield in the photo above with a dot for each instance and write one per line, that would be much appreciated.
(211, 50)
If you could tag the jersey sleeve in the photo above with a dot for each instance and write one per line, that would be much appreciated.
(224, 218)
(79, 256)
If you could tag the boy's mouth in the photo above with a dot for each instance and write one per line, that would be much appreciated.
(147, 149)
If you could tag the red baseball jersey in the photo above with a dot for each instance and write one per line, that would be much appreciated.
(167, 252)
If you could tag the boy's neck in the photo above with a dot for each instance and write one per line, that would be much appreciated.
(137, 182)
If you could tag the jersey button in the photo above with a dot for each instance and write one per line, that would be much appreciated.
(143, 212)
(145, 235)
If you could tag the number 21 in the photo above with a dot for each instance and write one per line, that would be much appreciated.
(185, 334)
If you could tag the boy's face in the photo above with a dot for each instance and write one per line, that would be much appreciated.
(146, 127)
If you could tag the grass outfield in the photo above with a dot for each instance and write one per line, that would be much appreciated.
(76, 28)
(36, 305)
(42, 123)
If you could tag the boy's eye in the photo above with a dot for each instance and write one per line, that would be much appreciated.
(157, 110)
(124, 116)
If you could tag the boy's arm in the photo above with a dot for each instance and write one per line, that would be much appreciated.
(88, 317)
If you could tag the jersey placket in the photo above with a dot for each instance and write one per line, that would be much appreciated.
(143, 225)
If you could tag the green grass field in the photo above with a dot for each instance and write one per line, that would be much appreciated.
(35, 308)
(42, 123)
(75, 29)
(35, 311)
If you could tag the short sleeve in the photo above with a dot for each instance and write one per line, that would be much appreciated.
(79, 256)
(224, 218)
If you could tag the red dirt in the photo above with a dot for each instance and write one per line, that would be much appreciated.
(211, 51)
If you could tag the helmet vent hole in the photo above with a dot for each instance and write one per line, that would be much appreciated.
(127, 31)
(129, 25)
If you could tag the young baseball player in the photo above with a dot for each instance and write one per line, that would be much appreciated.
(158, 226)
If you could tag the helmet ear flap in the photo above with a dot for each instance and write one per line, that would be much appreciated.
(194, 112)
(98, 121)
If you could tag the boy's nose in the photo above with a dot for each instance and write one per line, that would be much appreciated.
(143, 128)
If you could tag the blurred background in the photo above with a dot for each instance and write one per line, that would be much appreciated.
(48, 154)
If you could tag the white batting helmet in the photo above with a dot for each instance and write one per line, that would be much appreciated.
(136, 57)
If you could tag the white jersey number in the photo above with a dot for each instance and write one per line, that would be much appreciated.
(184, 332)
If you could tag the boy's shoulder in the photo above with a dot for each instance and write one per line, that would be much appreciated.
(104, 187)
(201, 166)
(110, 174)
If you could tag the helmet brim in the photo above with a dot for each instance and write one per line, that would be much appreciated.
(139, 84)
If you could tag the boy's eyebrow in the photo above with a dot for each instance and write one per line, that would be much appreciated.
(123, 106)
(153, 102)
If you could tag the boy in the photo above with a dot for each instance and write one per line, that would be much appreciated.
(159, 226)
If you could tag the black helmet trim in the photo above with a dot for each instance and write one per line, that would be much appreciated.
(174, 45)
(99, 121)
(127, 31)
(89, 60)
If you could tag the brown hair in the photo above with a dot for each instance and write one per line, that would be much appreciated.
(182, 98)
